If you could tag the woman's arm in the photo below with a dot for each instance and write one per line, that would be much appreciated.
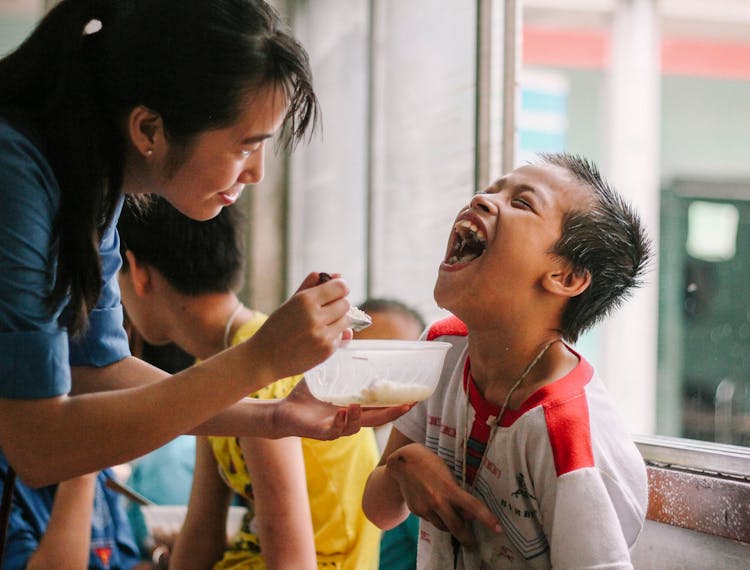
(277, 472)
(121, 424)
(66, 543)
(202, 539)
(83, 433)
(86, 432)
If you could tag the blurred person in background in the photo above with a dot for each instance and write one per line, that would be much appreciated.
(73, 525)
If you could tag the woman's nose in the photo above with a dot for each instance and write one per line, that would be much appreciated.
(252, 172)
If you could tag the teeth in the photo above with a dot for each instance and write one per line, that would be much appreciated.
(472, 227)
(469, 242)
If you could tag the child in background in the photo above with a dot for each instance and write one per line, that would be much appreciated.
(519, 460)
(75, 524)
(393, 319)
(178, 284)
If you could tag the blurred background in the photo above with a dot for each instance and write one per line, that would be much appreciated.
(427, 101)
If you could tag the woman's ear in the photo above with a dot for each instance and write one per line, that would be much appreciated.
(139, 274)
(146, 131)
(566, 282)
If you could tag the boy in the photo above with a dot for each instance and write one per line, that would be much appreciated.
(520, 434)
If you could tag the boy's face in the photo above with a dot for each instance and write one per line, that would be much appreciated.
(498, 248)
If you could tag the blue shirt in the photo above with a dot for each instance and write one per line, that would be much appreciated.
(112, 543)
(35, 351)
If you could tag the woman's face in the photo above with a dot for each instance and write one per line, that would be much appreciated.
(219, 163)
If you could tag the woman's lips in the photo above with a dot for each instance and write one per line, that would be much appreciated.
(229, 198)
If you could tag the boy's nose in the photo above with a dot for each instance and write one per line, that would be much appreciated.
(482, 202)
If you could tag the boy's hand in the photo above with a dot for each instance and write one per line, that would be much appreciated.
(301, 414)
(431, 492)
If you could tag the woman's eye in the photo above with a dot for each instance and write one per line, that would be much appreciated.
(248, 151)
(521, 202)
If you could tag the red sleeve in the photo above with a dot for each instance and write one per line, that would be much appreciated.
(449, 326)
(570, 434)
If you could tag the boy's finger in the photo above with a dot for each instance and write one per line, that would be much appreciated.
(458, 527)
(474, 509)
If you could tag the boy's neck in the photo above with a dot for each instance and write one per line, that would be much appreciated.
(497, 363)
(200, 324)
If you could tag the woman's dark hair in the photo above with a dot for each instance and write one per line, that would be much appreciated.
(192, 61)
(195, 257)
(605, 238)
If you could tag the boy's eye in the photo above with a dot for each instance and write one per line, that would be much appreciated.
(521, 202)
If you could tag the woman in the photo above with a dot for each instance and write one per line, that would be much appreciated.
(175, 98)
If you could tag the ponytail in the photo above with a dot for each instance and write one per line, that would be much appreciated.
(48, 80)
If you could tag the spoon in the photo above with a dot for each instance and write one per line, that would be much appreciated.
(359, 319)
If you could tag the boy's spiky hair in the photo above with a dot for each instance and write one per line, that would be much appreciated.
(606, 239)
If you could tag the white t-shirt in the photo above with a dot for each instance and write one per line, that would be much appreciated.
(561, 473)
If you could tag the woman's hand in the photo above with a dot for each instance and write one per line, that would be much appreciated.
(431, 492)
(302, 415)
(307, 328)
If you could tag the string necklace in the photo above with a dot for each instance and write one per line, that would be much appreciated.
(230, 320)
(492, 423)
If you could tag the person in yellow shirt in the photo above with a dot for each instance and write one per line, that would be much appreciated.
(179, 281)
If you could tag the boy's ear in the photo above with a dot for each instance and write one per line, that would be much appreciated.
(139, 274)
(146, 130)
(566, 282)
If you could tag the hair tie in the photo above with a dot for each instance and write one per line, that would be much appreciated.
(92, 27)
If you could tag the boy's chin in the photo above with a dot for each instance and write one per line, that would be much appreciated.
(443, 295)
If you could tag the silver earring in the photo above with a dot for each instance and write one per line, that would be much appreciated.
(149, 152)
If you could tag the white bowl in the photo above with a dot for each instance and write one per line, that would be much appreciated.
(378, 372)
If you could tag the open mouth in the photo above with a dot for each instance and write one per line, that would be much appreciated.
(469, 242)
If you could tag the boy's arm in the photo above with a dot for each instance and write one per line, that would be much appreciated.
(202, 539)
(584, 528)
(66, 543)
(382, 500)
(282, 507)
(410, 477)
